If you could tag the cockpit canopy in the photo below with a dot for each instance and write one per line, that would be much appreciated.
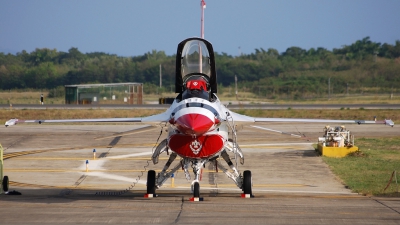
(195, 62)
(195, 59)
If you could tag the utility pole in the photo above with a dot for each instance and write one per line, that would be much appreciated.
(391, 93)
(160, 77)
(329, 88)
(236, 92)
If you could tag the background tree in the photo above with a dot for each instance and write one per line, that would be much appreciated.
(364, 65)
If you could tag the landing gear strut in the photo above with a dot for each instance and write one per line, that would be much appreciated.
(197, 165)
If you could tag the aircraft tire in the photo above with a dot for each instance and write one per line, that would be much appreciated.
(196, 190)
(5, 183)
(247, 183)
(151, 182)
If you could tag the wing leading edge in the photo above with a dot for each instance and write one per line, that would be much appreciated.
(386, 122)
(238, 118)
(165, 116)
(158, 118)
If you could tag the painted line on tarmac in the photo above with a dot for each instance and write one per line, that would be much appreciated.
(291, 191)
(281, 146)
(22, 153)
(223, 186)
(81, 187)
(278, 144)
(41, 170)
(295, 148)
(37, 151)
(304, 192)
(71, 170)
(80, 159)
(19, 184)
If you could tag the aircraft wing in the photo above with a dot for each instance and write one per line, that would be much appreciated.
(158, 118)
(238, 118)
(386, 122)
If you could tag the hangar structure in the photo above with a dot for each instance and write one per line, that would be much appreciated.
(111, 93)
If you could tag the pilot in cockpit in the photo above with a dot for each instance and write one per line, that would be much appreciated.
(196, 88)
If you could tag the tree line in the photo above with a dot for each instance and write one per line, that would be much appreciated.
(363, 66)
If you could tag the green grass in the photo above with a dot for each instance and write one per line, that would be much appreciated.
(368, 171)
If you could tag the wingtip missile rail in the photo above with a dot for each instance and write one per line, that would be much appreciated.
(15, 121)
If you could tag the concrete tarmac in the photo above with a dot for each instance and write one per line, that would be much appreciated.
(291, 184)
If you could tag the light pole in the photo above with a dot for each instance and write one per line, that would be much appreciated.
(160, 77)
(329, 88)
(236, 92)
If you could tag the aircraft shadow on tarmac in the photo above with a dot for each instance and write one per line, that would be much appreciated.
(305, 153)
(57, 195)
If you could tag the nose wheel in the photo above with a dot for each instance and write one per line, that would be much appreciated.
(196, 192)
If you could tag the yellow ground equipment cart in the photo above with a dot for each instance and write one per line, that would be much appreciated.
(336, 142)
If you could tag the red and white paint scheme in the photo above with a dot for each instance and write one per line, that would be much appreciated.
(194, 121)
(200, 128)
(196, 147)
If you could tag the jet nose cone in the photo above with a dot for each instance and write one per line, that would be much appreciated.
(194, 124)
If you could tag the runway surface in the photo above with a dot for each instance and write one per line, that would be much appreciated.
(47, 164)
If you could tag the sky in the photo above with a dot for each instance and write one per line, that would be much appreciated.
(134, 27)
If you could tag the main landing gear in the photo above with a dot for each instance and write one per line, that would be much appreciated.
(5, 184)
(244, 182)
(247, 185)
(151, 183)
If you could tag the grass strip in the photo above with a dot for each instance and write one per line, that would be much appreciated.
(369, 170)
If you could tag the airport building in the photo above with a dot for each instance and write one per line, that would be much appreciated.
(111, 93)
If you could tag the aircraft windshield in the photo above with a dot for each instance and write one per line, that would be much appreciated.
(195, 59)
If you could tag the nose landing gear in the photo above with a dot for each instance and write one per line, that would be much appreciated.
(196, 192)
